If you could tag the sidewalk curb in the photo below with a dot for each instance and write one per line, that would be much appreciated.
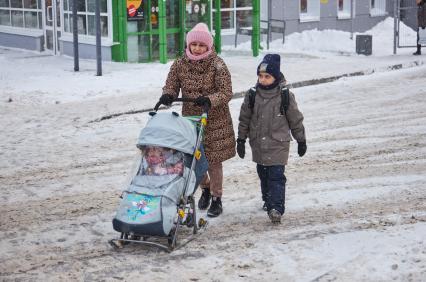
(295, 84)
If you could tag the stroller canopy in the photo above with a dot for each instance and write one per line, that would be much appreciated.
(169, 130)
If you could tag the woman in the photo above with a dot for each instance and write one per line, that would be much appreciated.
(202, 75)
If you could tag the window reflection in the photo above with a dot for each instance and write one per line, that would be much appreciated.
(30, 4)
(16, 3)
(235, 13)
(227, 4)
(17, 18)
(196, 12)
(86, 17)
(4, 3)
(303, 6)
(244, 3)
(244, 18)
(31, 19)
(172, 14)
(5, 17)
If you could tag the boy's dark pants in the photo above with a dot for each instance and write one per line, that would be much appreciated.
(272, 183)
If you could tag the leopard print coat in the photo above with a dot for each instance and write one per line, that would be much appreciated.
(209, 77)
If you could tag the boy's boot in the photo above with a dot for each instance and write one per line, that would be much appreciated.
(204, 201)
(419, 51)
(274, 216)
(215, 208)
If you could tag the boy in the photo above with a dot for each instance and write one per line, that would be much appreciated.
(268, 114)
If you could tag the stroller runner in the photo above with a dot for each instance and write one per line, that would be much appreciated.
(160, 198)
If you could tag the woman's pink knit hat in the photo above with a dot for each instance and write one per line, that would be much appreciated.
(200, 33)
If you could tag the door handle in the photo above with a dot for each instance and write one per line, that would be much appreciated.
(51, 13)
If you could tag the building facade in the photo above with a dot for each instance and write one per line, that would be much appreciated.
(151, 30)
(301, 15)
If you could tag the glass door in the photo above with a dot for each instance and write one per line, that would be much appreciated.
(52, 25)
(144, 31)
(173, 28)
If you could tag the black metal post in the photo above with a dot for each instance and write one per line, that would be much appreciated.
(75, 34)
(98, 38)
(352, 18)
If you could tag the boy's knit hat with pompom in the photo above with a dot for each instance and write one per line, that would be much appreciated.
(200, 33)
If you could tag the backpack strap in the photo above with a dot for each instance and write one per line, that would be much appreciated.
(285, 100)
(252, 97)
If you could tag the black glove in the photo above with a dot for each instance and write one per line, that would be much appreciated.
(166, 99)
(241, 147)
(301, 148)
(203, 101)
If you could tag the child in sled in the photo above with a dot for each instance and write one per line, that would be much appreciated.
(267, 116)
(161, 161)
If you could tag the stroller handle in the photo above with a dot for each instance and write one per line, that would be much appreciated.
(183, 100)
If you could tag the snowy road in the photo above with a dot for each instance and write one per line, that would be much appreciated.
(356, 203)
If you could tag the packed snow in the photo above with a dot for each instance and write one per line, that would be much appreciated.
(323, 42)
(355, 203)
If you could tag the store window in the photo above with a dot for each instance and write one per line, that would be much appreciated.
(234, 13)
(21, 13)
(344, 9)
(309, 10)
(377, 7)
(196, 12)
(86, 17)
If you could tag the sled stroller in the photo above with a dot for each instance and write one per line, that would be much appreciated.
(159, 199)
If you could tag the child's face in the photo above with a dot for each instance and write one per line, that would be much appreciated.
(154, 156)
(265, 78)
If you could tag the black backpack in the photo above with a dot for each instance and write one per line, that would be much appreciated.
(285, 100)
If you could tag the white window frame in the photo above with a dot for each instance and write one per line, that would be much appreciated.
(228, 31)
(22, 29)
(379, 8)
(313, 13)
(346, 12)
(85, 38)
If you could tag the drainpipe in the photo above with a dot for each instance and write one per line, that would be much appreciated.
(255, 37)
(217, 28)
(162, 30)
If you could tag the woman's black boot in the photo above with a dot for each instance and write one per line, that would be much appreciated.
(215, 208)
(204, 201)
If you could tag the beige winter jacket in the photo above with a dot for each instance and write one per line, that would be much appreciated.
(269, 131)
(209, 77)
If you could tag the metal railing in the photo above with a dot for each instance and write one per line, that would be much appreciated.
(405, 24)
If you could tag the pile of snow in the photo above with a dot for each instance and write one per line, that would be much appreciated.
(316, 42)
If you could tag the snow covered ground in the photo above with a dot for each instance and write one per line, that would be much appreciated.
(356, 203)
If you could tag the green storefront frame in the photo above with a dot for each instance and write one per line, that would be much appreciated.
(159, 35)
